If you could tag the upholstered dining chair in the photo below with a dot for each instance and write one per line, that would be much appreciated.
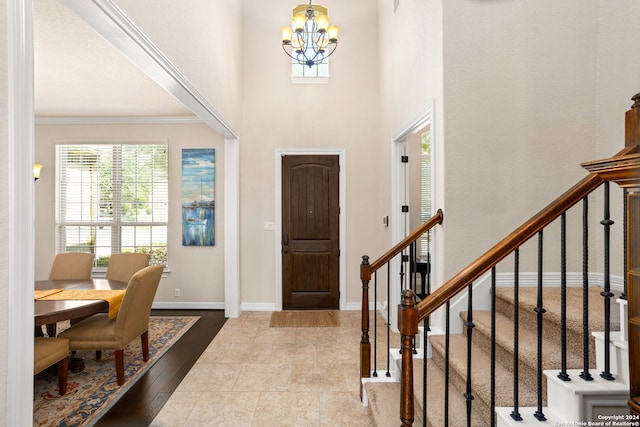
(72, 266)
(68, 266)
(99, 333)
(122, 266)
(46, 352)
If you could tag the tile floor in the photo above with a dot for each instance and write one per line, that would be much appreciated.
(253, 375)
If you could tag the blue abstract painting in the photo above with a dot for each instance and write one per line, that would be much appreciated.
(198, 196)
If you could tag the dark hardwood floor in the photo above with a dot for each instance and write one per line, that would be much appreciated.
(140, 404)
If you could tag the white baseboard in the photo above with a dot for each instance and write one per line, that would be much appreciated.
(188, 306)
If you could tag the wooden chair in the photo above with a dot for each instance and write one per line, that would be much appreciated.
(99, 333)
(72, 266)
(122, 266)
(46, 352)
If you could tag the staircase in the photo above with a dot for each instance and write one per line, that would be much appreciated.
(571, 352)
(383, 399)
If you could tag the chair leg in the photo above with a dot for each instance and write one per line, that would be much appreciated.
(63, 369)
(119, 354)
(98, 354)
(144, 342)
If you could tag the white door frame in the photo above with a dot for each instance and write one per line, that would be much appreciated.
(398, 196)
(341, 153)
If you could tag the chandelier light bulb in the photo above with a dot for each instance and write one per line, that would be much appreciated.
(286, 34)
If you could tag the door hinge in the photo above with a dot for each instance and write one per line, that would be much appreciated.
(405, 208)
(404, 159)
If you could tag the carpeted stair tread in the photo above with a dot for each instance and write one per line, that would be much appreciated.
(551, 302)
(527, 348)
(481, 374)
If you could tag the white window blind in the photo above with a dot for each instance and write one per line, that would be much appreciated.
(425, 191)
(112, 198)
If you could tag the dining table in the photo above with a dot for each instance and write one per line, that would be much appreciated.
(49, 312)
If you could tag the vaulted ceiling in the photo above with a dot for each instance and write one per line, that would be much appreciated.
(78, 73)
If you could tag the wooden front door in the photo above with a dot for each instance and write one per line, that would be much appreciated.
(310, 232)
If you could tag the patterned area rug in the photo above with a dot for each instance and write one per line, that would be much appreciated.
(93, 391)
(304, 319)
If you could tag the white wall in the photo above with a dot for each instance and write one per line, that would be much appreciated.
(520, 117)
(202, 38)
(279, 114)
(4, 211)
(197, 271)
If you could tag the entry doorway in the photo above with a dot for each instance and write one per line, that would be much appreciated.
(310, 244)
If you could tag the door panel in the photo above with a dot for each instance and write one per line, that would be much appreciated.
(310, 228)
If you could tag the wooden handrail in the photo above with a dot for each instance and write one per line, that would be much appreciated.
(514, 240)
(402, 245)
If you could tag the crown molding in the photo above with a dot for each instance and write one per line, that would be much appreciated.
(99, 120)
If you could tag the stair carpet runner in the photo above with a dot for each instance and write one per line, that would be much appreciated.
(384, 397)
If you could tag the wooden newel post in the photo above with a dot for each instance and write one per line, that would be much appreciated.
(365, 345)
(408, 326)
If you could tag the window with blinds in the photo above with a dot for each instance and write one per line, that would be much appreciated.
(425, 190)
(112, 198)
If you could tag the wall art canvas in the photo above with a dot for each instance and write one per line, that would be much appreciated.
(198, 197)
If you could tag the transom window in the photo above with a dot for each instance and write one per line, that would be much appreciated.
(112, 198)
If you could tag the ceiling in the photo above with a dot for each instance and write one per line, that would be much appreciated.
(78, 73)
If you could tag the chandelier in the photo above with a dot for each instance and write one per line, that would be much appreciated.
(311, 39)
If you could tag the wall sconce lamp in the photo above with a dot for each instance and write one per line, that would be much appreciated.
(36, 171)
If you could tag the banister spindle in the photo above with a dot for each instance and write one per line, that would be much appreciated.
(625, 243)
(606, 293)
(469, 325)
(493, 346)
(446, 361)
(388, 374)
(585, 374)
(375, 325)
(563, 298)
(540, 312)
(515, 414)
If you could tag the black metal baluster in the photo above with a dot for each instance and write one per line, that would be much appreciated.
(515, 414)
(563, 298)
(402, 257)
(429, 262)
(585, 374)
(469, 324)
(493, 346)
(427, 329)
(412, 269)
(540, 312)
(446, 363)
(606, 293)
(625, 267)
(424, 372)
(388, 374)
(375, 324)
